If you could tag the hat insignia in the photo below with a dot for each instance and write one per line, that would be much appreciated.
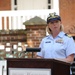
(52, 15)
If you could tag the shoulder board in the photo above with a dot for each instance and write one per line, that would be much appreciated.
(47, 35)
(68, 35)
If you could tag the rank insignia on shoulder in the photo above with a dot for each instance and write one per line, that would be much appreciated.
(48, 42)
(68, 35)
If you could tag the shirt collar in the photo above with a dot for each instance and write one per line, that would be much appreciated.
(61, 34)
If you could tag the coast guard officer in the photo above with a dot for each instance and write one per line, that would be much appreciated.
(58, 44)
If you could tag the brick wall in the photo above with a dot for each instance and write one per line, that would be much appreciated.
(67, 12)
(34, 34)
(5, 4)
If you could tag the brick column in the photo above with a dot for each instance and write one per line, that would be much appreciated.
(35, 33)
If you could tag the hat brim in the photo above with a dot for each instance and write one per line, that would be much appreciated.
(54, 19)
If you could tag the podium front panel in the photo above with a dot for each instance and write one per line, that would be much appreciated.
(57, 67)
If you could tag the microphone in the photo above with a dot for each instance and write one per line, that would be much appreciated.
(30, 49)
(34, 49)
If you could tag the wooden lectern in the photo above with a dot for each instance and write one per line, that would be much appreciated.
(57, 67)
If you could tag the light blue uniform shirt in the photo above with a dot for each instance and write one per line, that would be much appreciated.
(58, 47)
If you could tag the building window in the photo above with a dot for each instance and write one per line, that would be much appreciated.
(49, 4)
(49, 1)
(49, 7)
(15, 4)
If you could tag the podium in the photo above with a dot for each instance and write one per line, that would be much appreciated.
(57, 67)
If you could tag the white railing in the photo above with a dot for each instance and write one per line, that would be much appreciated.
(16, 18)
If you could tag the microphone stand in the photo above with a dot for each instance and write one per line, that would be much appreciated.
(34, 49)
(22, 53)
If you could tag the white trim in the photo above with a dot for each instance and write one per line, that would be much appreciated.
(5, 23)
(0, 23)
(56, 6)
(12, 4)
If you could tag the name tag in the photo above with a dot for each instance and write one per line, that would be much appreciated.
(48, 42)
